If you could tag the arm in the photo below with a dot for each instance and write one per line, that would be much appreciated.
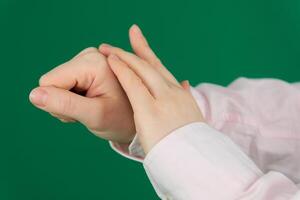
(251, 182)
(206, 164)
(265, 128)
(160, 106)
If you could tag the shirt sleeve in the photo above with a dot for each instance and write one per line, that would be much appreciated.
(132, 151)
(198, 162)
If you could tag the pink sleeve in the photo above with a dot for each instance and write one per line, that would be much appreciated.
(198, 162)
(297, 85)
(132, 151)
(247, 112)
(259, 115)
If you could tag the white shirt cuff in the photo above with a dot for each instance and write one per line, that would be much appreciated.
(198, 162)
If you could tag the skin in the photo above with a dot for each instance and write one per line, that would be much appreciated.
(85, 90)
(160, 103)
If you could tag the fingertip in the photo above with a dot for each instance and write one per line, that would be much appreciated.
(136, 31)
(133, 28)
(104, 49)
(38, 96)
(131, 33)
(138, 41)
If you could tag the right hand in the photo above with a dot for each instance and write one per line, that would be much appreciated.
(160, 104)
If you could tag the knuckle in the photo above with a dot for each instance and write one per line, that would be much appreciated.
(87, 51)
(67, 105)
(93, 60)
(91, 57)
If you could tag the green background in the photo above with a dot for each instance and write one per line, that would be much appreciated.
(203, 41)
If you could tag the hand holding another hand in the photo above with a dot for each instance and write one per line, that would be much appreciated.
(116, 97)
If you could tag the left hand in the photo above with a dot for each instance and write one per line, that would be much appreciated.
(160, 104)
(85, 89)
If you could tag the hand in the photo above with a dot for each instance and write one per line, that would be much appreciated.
(102, 107)
(160, 104)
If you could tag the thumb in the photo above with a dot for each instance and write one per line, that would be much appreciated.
(65, 103)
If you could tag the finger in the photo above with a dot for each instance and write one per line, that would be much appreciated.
(60, 76)
(139, 96)
(70, 74)
(152, 79)
(68, 104)
(142, 49)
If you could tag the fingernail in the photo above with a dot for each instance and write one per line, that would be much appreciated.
(105, 49)
(38, 97)
(114, 57)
